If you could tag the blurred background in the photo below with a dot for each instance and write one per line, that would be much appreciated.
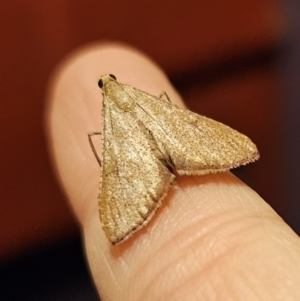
(235, 61)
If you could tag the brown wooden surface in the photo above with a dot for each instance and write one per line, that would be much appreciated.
(185, 38)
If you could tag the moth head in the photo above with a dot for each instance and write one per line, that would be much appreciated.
(106, 78)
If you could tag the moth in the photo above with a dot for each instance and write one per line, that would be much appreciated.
(147, 140)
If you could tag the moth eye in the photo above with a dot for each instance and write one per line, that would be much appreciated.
(100, 83)
(113, 76)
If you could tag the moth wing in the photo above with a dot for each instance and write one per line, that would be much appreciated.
(133, 180)
(195, 144)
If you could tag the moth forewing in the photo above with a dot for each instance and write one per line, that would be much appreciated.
(134, 181)
(195, 144)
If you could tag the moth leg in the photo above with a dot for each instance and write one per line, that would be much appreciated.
(92, 145)
(164, 93)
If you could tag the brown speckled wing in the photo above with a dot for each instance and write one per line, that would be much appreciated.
(196, 144)
(133, 180)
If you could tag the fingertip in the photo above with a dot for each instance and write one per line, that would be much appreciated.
(194, 218)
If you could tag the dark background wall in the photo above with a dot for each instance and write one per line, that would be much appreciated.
(289, 72)
(235, 61)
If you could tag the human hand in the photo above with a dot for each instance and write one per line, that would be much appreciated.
(213, 239)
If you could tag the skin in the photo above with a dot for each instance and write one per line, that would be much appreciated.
(213, 239)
